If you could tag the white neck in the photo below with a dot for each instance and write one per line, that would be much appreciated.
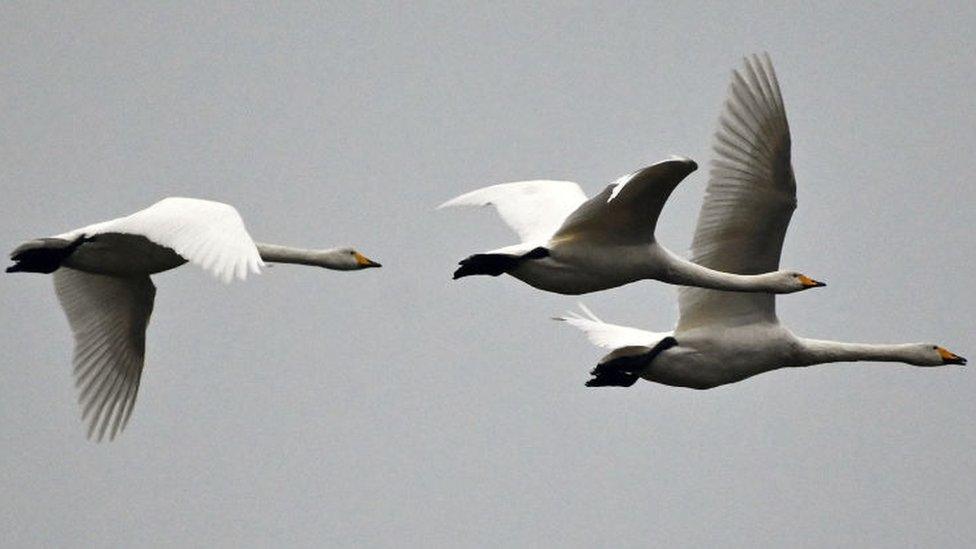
(274, 253)
(684, 272)
(817, 351)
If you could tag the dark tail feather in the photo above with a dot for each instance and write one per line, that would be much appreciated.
(495, 264)
(612, 379)
(43, 255)
(486, 264)
(618, 372)
(622, 371)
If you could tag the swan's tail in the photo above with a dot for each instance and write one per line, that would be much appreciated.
(495, 264)
(622, 367)
(44, 255)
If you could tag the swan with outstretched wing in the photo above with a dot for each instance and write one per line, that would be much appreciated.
(724, 337)
(101, 276)
(574, 245)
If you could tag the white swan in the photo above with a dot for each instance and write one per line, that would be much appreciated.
(101, 276)
(724, 337)
(571, 245)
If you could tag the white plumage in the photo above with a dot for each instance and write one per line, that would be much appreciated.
(749, 200)
(610, 336)
(723, 337)
(573, 245)
(533, 209)
(208, 234)
(108, 316)
(101, 276)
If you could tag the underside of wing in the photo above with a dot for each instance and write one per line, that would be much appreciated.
(749, 200)
(610, 336)
(108, 317)
(206, 233)
(533, 209)
(627, 211)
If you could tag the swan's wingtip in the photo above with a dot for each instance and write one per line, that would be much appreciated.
(448, 203)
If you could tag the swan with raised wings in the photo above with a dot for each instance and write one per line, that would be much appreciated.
(101, 277)
(571, 245)
(725, 337)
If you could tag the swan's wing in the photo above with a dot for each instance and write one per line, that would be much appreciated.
(206, 233)
(108, 316)
(627, 210)
(610, 336)
(750, 198)
(533, 209)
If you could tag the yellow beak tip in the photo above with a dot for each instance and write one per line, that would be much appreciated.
(364, 261)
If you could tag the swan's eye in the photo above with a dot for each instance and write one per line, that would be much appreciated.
(935, 347)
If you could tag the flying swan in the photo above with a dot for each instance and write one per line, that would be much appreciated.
(571, 245)
(724, 337)
(101, 276)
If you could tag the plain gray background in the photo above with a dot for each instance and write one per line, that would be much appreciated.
(396, 407)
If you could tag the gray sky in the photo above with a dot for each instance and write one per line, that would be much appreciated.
(397, 407)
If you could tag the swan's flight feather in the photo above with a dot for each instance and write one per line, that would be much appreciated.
(108, 316)
(610, 336)
(533, 209)
(627, 210)
(206, 233)
(749, 200)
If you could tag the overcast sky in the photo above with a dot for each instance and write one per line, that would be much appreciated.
(395, 406)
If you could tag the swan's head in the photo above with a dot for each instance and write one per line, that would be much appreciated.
(929, 354)
(788, 282)
(348, 259)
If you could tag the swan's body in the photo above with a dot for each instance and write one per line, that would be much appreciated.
(571, 245)
(724, 337)
(101, 276)
(575, 268)
(714, 355)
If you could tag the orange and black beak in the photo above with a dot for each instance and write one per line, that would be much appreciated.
(811, 283)
(949, 357)
(365, 262)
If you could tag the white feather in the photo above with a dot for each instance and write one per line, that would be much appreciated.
(610, 336)
(749, 200)
(108, 316)
(206, 233)
(628, 209)
(533, 209)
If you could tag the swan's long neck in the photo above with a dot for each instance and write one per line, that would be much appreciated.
(274, 253)
(684, 272)
(817, 351)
